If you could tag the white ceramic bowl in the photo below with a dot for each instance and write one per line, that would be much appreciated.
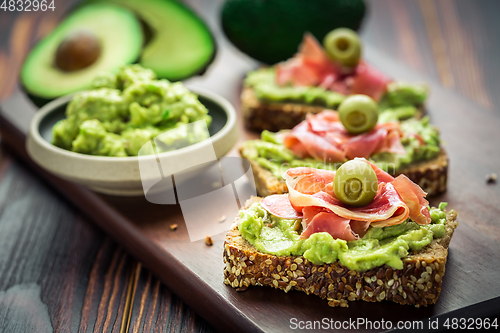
(121, 175)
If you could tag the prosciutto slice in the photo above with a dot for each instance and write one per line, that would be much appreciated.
(317, 219)
(386, 209)
(311, 181)
(369, 81)
(311, 197)
(280, 206)
(366, 144)
(382, 176)
(312, 67)
(414, 198)
(309, 67)
(337, 226)
(308, 144)
(323, 137)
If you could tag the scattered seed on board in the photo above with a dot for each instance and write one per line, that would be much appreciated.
(222, 218)
(491, 178)
(208, 240)
(173, 227)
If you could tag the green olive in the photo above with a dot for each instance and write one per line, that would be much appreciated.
(355, 183)
(343, 46)
(358, 114)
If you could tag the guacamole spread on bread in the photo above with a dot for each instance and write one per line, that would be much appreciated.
(420, 141)
(379, 246)
(401, 99)
(124, 111)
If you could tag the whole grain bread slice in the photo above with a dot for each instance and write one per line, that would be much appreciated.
(418, 283)
(431, 175)
(273, 116)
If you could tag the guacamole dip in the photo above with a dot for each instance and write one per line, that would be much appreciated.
(124, 111)
(271, 154)
(401, 99)
(379, 246)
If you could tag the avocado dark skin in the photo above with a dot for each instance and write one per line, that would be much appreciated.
(271, 30)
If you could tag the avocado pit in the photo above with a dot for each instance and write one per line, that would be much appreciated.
(78, 50)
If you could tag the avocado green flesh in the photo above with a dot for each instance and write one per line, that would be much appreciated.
(379, 246)
(120, 36)
(399, 103)
(125, 111)
(181, 45)
(271, 154)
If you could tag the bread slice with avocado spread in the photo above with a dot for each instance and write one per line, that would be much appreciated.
(424, 161)
(431, 175)
(396, 259)
(262, 111)
(315, 79)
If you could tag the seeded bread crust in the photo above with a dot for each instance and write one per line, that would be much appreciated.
(260, 115)
(418, 283)
(431, 176)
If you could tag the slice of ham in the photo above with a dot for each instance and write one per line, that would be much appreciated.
(311, 181)
(317, 219)
(308, 144)
(382, 176)
(342, 86)
(414, 197)
(311, 197)
(387, 208)
(365, 145)
(338, 227)
(359, 228)
(323, 137)
(309, 67)
(296, 73)
(313, 53)
(312, 67)
(309, 213)
(392, 144)
(279, 205)
(325, 121)
(369, 81)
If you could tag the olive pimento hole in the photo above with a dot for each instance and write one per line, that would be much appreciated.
(342, 44)
(78, 50)
(353, 188)
(356, 118)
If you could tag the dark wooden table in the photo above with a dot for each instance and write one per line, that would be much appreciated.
(59, 272)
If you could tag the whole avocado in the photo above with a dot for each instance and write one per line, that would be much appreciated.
(271, 30)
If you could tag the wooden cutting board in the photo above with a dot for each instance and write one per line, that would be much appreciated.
(194, 271)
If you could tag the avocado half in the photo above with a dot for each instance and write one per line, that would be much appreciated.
(271, 30)
(120, 37)
(181, 44)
